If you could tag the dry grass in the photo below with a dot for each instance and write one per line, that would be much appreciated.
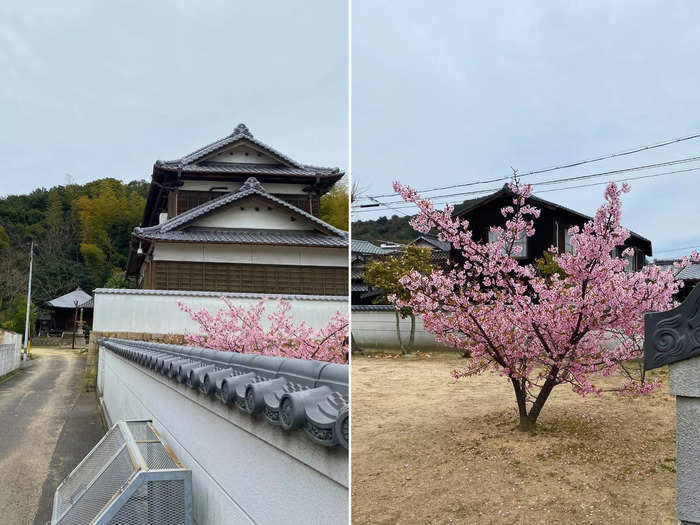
(428, 449)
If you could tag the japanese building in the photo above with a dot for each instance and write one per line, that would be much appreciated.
(239, 216)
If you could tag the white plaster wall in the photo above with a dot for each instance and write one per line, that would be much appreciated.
(157, 312)
(237, 155)
(270, 187)
(10, 351)
(239, 253)
(244, 470)
(377, 331)
(276, 218)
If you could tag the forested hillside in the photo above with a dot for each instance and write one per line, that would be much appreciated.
(395, 228)
(81, 235)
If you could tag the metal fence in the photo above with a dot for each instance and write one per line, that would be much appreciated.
(129, 477)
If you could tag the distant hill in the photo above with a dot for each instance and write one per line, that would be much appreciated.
(394, 228)
(81, 238)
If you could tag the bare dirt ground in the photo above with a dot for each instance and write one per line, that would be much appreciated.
(429, 449)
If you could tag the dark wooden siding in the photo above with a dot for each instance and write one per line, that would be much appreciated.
(255, 278)
(186, 200)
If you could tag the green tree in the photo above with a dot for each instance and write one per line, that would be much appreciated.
(4, 239)
(17, 315)
(385, 273)
(335, 207)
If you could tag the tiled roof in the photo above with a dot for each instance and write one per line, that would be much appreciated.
(88, 304)
(287, 165)
(357, 273)
(433, 240)
(359, 287)
(197, 293)
(294, 394)
(691, 273)
(249, 236)
(68, 300)
(251, 187)
(360, 246)
(372, 308)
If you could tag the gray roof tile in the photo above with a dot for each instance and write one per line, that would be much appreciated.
(197, 293)
(68, 300)
(287, 165)
(251, 187)
(293, 394)
(249, 236)
(360, 246)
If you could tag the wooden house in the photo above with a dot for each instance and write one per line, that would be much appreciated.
(550, 228)
(239, 216)
(67, 312)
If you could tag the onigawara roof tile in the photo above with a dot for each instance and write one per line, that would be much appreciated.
(293, 394)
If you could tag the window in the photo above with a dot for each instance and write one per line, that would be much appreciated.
(521, 241)
(568, 247)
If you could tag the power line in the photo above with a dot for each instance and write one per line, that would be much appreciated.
(566, 179)
(630, 151)
(628, 179)
(677, 249)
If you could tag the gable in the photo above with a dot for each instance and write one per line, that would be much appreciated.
(243, 153)
(254, 213)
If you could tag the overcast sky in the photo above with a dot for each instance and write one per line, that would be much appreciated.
(104, 89)
(453, 92)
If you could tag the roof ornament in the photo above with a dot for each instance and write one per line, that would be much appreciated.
(242, 129)
(251, 183)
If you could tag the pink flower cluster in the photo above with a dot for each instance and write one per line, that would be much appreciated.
(539, 331)
(254, 330)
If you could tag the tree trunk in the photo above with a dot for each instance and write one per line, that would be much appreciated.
(528, 420)
(520, 397)
(412, 338)
(398, 332)
(356, 348)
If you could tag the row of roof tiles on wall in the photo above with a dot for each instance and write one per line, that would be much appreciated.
(294, 394)
(245, 295)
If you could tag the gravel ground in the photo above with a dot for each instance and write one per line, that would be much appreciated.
(428, 449)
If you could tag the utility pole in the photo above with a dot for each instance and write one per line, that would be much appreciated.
(29, 300)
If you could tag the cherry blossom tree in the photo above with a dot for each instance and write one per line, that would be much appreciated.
(254, 330)
(540, 331)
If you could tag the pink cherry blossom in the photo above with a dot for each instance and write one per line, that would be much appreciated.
(254, 330)
(540, 331)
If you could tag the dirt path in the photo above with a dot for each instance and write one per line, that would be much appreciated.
(34, 407)
(428, 449)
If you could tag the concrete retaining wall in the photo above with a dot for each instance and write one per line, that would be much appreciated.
(244, 469)
(375, 329)
(10, 351)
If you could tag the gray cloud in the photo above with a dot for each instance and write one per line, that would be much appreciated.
(453, 92)
(103, 89)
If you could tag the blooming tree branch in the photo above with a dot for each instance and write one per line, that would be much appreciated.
(254, 330)
(539, 331)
